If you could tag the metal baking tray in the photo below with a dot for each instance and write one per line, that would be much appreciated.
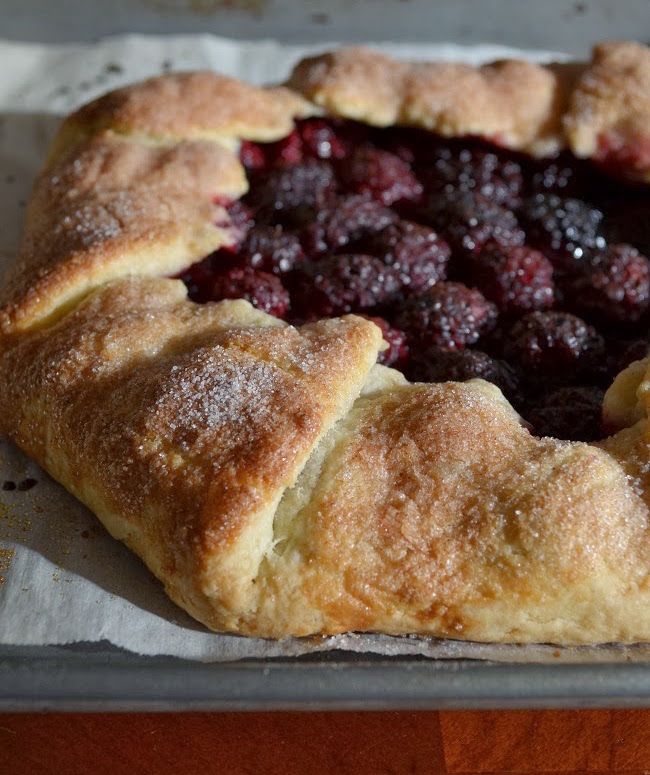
(94, 677)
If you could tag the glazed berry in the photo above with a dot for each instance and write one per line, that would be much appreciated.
(436, 365)
(556, 176)
(252, 155)
(449, 315)
(288, 194)
(614, 288)
(469, 221)
(553, 347)
(416, 253)
(320, 140)
(382, 174)
(241, 217)
(263, 290)
(397, 351)
(572, 413)
(564, 229)
(345, 220)
(271, 249)
(517, 279)
(338, 284)
(476, 171)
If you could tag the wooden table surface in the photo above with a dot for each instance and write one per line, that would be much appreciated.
(373, 743)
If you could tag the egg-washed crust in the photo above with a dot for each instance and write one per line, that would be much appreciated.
(275, 480)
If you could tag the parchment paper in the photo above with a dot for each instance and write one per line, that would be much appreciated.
(63, 579)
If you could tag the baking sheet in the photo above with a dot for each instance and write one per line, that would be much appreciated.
(63, 579)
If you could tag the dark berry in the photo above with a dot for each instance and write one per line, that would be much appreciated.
(416, 253)
(252, 155)
(287, 151)
(449, 315)
(290, 194)
(198, 279)
(397, 351)
(339, 284)
(629, 222)
(553, 347)
(571, 413)
(620, 354)
(240, 217)
(382, 174)
(320, 140)
(613, 288)
(469, 221)
(475, 171)
(564, 229)
(557, 176)
(517, 279)
(436, 365)
(271, 249)
(345, 220)
(263, 290)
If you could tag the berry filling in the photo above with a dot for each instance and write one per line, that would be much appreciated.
(474, 262)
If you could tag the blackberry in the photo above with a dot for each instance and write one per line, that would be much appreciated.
(613, 288)
(469, 221)
(474, 170)
(320, 140)
(345, 220)
(517, 279)
(397, 351)
(556, 176)
(291, 194)
(271, 249)
(571, 413)
(436, 365)
(263, 290)
(252, 155)
(338, 284)
(382, 174)
(416, 253)
(565, 229)
(553, 348)
(449, 315)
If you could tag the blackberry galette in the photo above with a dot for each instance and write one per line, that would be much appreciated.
(365, 352)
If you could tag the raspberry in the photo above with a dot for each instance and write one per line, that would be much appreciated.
(614, 288)
(263, 290)
(416, 253)
(291, 194)
(572, 413)
(320, 140)
(397, 351)
(516, 279)
(338, 284)
(382, 174)
(345, 220)
(271, 249)
(476, 171)
(553, 347)
(564, 229)
(469, 221)
(449, 315)
(436, 365)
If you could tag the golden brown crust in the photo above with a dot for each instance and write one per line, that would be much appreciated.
(179, 424)
(188, 106)
(609, 113)
(514, 103)
(276, 482)
(109, 208)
